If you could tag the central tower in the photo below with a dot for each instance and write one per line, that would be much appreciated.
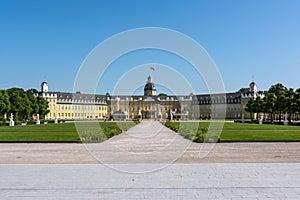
(149, 89)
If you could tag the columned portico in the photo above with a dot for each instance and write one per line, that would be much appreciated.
(149, 114)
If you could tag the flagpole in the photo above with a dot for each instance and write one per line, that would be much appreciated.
(151, 69)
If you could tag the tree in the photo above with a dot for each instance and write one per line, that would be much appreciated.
(297, 101)
(258, 104)
(277, 88)
(32, 91)
(24, 104)
(34, 104)
(43, 107)
(25, 109)
(281, 103)
(269, 104)
(260, 92)
(276, 101)
(291, 103)
(244, 90)
(4, 104)
(162, 95)
(15, 101)
(251, 107)
(280, 92)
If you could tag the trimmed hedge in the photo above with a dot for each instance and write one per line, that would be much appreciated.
(199, 135)
(109, 130)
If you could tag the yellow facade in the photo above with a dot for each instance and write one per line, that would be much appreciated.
(148, 106)
(68, 109)
(69, 106)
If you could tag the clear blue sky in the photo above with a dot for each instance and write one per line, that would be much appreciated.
(48, 40)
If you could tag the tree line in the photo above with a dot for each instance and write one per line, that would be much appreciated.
(22, 104)
(275, 103)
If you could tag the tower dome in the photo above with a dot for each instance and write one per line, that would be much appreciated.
(253, 87)
(149, 89)
(44, 86)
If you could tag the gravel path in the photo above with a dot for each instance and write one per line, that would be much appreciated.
(149, 142)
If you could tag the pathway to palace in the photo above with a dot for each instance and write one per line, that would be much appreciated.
(150, 162)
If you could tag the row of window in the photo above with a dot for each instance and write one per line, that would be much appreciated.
(218, 101)
(216, 115)
(229, 107)
(140, 108)
(86, 115)
(52, 100)
(78, 107)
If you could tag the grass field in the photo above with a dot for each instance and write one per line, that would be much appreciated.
(65, 132)
(240, 132)
(91, 132)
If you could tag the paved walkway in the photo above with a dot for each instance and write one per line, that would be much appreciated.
(178, 181)
(150, 162)
(148, 142)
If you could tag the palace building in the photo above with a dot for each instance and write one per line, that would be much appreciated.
(77, 106)
(70, 106)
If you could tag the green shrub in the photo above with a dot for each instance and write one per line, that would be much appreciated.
(112, 130)
(173, 125)
(212, 139)
(194, 133)
(3, 124)
(200, 135)
(92, 137)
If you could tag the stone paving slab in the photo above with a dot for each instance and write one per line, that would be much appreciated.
(186, 193)
(178, 181)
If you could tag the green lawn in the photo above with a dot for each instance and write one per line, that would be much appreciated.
(241, 126)
(240, 132)
(260, 136)
(65, 132)
(91, 132)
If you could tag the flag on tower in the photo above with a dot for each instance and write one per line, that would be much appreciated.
(152, 68)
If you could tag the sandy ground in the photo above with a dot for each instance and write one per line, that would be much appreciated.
(81, 154)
